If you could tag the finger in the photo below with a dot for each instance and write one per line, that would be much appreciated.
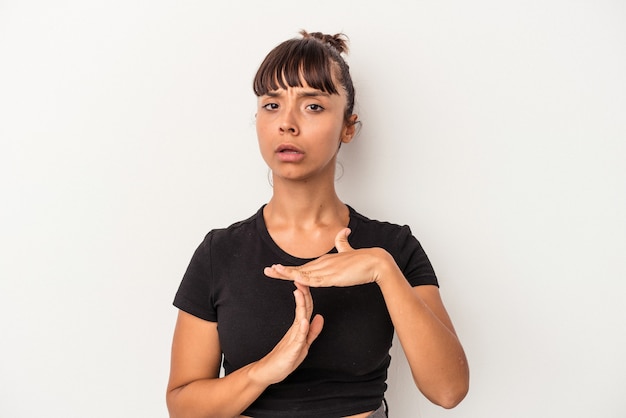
(307, 331)
(315, 328)
(317, 273)
(301, 320)
(341, 241)
(278, 271)
(308, 299)
(274, 273)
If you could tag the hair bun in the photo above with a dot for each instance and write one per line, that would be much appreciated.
(338, 41)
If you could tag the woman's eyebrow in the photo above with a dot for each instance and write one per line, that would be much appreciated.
(313, 93)
(305, 93)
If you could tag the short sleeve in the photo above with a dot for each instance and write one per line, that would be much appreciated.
(194, 294)
(413, 260)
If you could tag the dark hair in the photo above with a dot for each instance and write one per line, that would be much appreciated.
(312, 59)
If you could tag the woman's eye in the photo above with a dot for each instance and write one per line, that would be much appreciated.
(270, 106)
(315, 107)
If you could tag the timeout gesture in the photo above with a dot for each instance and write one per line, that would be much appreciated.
(348, 267)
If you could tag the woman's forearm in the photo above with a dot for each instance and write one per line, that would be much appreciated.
(224, 397)
(230, 395)
(435, 355)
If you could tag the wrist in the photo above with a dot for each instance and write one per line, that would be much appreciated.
(257, 376)
(385, 266)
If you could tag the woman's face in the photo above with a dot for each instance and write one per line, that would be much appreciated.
(299, 131)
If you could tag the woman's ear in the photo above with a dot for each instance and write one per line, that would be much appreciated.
(349, 129)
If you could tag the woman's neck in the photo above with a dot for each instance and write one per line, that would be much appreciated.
(304, 206)
(304, 223)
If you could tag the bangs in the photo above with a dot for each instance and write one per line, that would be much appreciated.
(296, 63)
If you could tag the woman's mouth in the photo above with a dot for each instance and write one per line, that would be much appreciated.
(289, 153)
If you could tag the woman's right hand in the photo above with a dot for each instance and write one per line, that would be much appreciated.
(293, 348)
(195, 389)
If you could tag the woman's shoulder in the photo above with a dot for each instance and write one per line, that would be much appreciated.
(376, 226)
(399, 241)
(243, 229)
(371, 232)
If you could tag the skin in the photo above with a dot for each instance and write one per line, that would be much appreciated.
(299, 132)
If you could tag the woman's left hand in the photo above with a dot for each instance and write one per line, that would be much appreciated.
(348, 267)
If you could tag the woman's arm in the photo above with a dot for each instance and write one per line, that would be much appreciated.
(195, 389)
(434, 353)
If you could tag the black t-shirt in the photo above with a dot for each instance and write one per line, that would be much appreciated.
(346, 368)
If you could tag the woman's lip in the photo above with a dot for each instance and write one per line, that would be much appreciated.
(288, 148)
(289, 154)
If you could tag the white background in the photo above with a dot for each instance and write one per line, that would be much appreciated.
(497, 130)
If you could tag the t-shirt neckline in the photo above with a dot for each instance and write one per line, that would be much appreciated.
(288, 258)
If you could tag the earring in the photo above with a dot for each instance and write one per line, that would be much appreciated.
(269, 177)
(341, 170)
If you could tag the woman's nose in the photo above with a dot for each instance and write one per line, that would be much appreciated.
(289, 124)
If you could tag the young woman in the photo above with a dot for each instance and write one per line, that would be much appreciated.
(299, 302)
